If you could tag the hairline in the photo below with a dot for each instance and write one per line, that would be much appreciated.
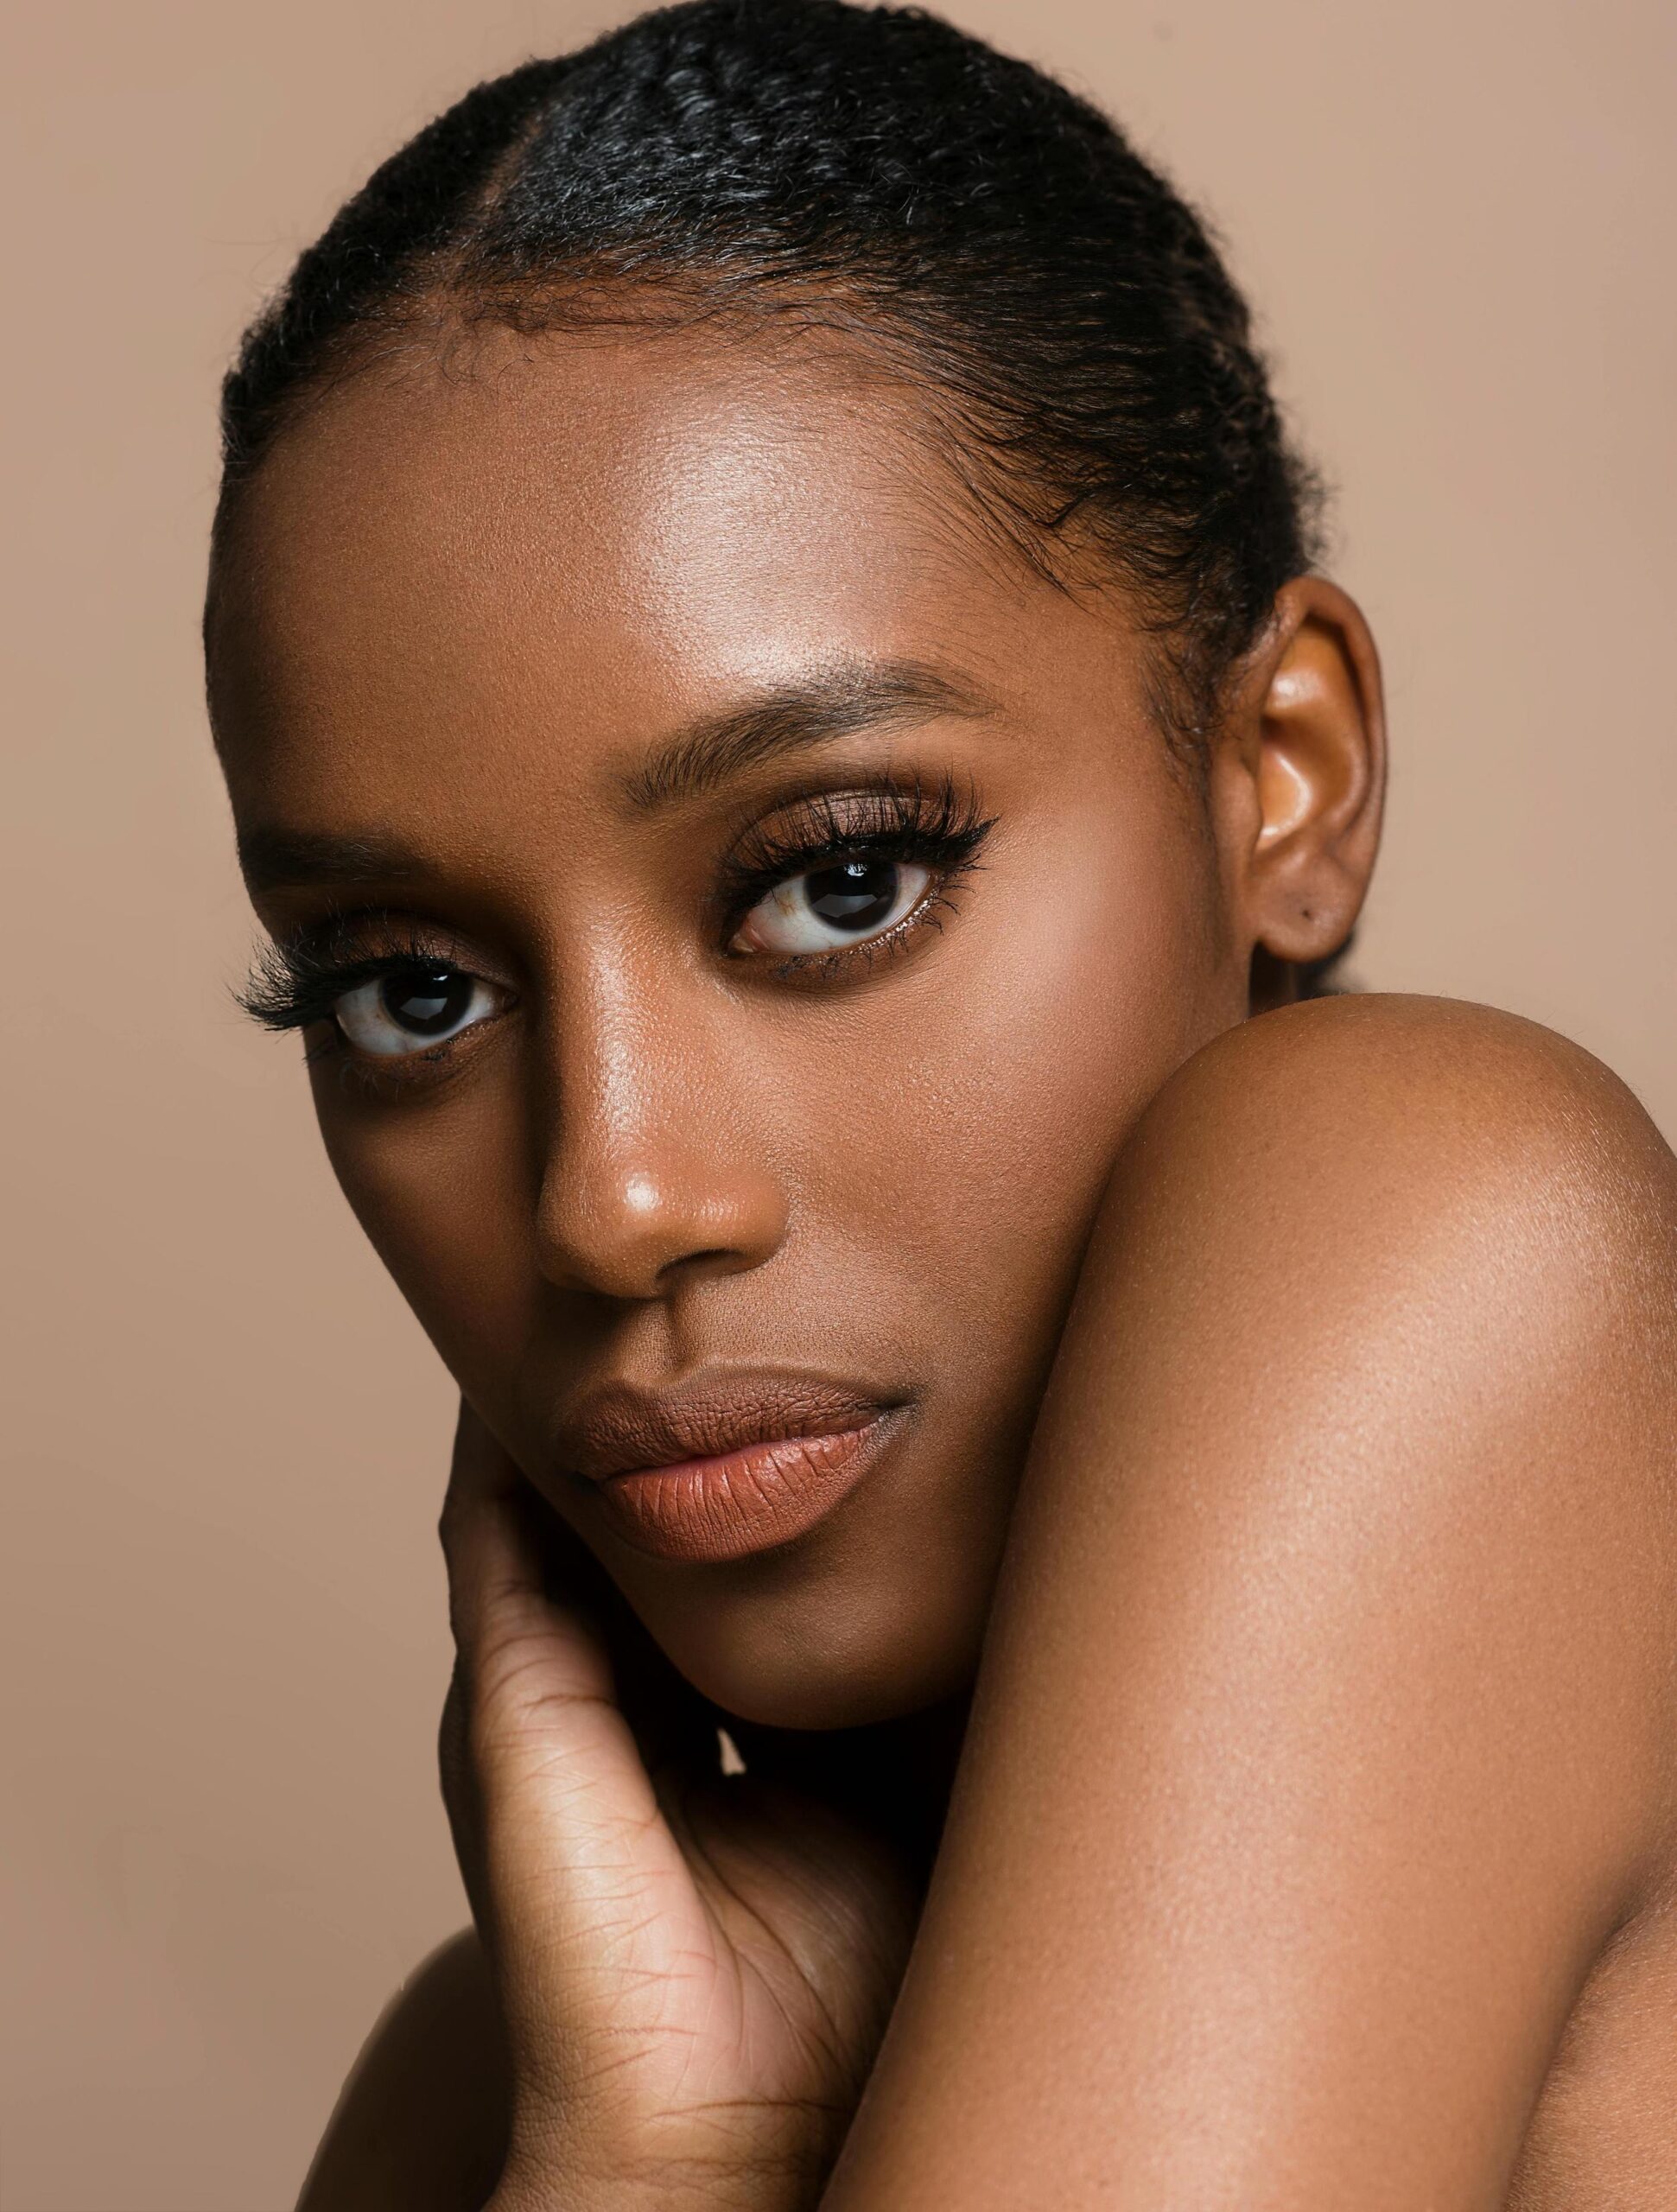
(440, 305)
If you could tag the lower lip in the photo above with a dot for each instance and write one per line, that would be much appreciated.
(739, 1503)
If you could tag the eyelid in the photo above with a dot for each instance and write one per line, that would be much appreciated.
(941, 829)
(936, 824)
(294, 981)
(297, 980)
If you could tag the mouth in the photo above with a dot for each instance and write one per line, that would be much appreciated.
(720, 1471)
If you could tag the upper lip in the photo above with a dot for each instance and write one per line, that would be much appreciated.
(619, 1427)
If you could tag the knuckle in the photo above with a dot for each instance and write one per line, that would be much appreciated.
(453, 1734)
(447, 1522)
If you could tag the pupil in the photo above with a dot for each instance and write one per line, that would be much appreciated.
(427, 1001)
(856, 894)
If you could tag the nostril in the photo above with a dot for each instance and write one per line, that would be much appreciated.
(716, 1259)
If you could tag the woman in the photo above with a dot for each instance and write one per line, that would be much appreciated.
(781, 721)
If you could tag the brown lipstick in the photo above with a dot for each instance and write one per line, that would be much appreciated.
(725, 1466)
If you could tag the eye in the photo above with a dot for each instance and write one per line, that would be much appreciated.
(824, 908)
(419, 1004)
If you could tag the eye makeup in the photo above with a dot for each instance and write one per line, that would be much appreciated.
(365, 980)
(873, 833)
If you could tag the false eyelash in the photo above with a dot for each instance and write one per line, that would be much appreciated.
(295, 981)
(942, 829)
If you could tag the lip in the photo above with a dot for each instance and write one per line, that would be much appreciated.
(725, 1467)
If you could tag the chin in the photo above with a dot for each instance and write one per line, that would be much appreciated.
(838, 1655)
(875, 1612)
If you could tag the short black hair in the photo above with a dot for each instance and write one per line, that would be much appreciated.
(1066, 313)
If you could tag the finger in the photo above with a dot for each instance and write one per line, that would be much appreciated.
(543, 1772)
(497, 1575)
(519, 1581)
(674, 1724)
(462, 1798)
(512, 1555)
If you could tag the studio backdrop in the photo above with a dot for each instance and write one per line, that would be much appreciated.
(226, 1441)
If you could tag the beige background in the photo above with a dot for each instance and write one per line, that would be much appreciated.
(221, 1846)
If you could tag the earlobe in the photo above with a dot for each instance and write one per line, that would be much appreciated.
(1309, 763)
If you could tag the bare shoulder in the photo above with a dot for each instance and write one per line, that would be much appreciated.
(1383, 1296)
(1474, 1075)
(1431, 1133)
(420, 2126)
(1336, 1647)
(1432, 1208)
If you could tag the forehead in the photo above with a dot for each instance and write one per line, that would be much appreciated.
(545, 554)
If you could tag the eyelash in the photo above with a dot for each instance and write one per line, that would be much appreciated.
(941, 829)
(296, 983)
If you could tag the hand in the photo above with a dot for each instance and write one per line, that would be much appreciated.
(695, 1969)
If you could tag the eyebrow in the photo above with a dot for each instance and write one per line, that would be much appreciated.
(841, 702)
(270, 858)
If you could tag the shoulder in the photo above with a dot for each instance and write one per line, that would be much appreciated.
(1381, 1312)
(1418, 1213)
(420, 2124)
(1362, 1447)
(1324, 1738)
(1463, 1078)
(1423, 1136)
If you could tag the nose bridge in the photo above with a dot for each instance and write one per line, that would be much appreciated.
(650, 1169)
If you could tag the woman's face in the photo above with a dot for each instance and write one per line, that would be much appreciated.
(756, 905)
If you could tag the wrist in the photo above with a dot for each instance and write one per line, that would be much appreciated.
(557, 2196)
(609, 2167)
(729, 2191)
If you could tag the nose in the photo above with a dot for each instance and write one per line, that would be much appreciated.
(650, 1176)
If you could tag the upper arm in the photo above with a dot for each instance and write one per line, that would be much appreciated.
(421, 2124)
(1322, 1735)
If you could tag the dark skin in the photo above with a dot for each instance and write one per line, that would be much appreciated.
(1261, 1387)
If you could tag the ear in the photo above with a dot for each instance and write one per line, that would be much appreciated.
(1297, 777)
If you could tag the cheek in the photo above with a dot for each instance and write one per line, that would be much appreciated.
(441, 1191)
(943, 1133)
(1000, 1076)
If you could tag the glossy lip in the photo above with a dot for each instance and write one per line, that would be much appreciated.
(726, 1467)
